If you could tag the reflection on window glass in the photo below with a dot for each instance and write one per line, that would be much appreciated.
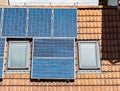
(18, 54)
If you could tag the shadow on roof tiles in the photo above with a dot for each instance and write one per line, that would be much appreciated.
(110, 35)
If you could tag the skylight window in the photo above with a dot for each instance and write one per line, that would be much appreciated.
(89, 56)
(112, 2)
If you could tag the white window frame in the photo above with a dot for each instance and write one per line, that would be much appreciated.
(89, 69)
(27, 56)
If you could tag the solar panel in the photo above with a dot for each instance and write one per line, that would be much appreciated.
(65, 23)
(0, 12)
(0, 17)
(2, 44)
(53, 48)
(53, 59)
(1, 67)
(39, 22)
(53, 68)
(14, 22)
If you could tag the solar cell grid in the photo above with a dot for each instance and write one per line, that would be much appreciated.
(65, 23)
(53, 48)
(1, 67)
(0, 12)
(2, 44)
(0, 18)
(14, 22)
(39, 23)
(53, 68)
(53, 59)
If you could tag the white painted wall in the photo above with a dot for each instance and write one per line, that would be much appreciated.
(54, 2)
(88, 2)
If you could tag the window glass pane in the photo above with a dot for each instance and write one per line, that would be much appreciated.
(18, 54)
(113, 2)
(87, 55)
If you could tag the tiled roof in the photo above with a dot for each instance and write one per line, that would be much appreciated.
(93, 24)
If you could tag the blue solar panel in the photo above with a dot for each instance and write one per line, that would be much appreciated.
(53, 59)
(14, 22)
(39, 22)
(0, 12)
(65, 23)
(1, 67)
(0, 17)
(53, 48)
(52, 68)
(2, 44)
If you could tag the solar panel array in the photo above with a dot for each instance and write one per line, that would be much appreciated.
(2, 44)
(39, 23)
(14, 22)
(53, 59)
(65, 23)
